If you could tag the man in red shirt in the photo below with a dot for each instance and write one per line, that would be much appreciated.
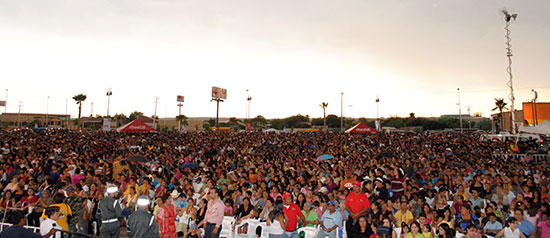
(357, 205)
(294, 215)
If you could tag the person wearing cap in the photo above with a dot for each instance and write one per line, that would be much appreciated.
(109, 212)
(64, 211)
(141, 223)
(380, 191)
(357, 204)
(330, 220)
(294, 215)
(49, 224)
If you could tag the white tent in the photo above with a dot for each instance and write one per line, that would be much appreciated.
(542, 128)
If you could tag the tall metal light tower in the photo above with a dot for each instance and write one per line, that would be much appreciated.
(509, 17)
(109, 94)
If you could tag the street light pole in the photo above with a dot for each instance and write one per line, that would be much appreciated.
(155, 117)
(459, 109)
(66, 112)
(19, 115)
(109, 93)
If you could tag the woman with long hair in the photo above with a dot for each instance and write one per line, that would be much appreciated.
(166, 217)
(511, 230)
(415, 231)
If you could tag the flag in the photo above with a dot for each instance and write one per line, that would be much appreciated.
(377, 99)
(2, 103)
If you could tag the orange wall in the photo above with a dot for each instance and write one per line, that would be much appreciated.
(543, 112)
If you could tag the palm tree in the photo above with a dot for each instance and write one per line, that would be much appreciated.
(79, 99)
(324, 105)
(500, 105)
(182, 120)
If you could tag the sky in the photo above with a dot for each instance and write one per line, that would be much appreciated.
(290, 54)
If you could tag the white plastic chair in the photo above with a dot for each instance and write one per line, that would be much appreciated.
(265, 230)
(397, 231)
(251, 231)
(310, 232)
(227, 227)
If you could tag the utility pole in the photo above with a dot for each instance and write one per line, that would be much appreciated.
(508, 17)
(109, 93)
(157, 99)
(459, 109)
(341, 111)
(92, 109)
(47, 111)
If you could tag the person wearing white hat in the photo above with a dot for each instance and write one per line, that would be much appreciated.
(109, 212)
(142, 223)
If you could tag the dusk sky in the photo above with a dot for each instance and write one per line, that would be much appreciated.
(291, 54)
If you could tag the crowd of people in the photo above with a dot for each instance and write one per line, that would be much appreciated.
(426, 185)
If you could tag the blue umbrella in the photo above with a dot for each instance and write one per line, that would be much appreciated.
(325, 157)
(190, 165)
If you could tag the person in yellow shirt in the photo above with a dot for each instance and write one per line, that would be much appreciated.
(403, 215)
(132, 183)
(64, 211)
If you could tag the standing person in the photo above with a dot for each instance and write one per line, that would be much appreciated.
(277, 222)
(64, 211)
(141, 222)
(357, 205)
(111, 211)
(214, 215)
(330, 221)
(166, 217)
(293, 214)
(49, 223)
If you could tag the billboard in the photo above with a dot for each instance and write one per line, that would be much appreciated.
(180, 98)
(106, 124)
(536, 113)
(219, 93)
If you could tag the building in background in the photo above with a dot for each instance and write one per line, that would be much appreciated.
(535, 113)
(14, 120)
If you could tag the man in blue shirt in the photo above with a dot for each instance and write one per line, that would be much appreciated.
(525, 226)
(492, 227)
(330, 221)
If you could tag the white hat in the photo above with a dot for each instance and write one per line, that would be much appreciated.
(143, 201)
(175, 194)
(112, 189)
(323, 190)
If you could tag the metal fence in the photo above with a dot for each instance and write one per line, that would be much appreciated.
(37, 231)
(536, 157)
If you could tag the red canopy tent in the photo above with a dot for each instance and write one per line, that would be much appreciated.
(135, 126)
(361, 129)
